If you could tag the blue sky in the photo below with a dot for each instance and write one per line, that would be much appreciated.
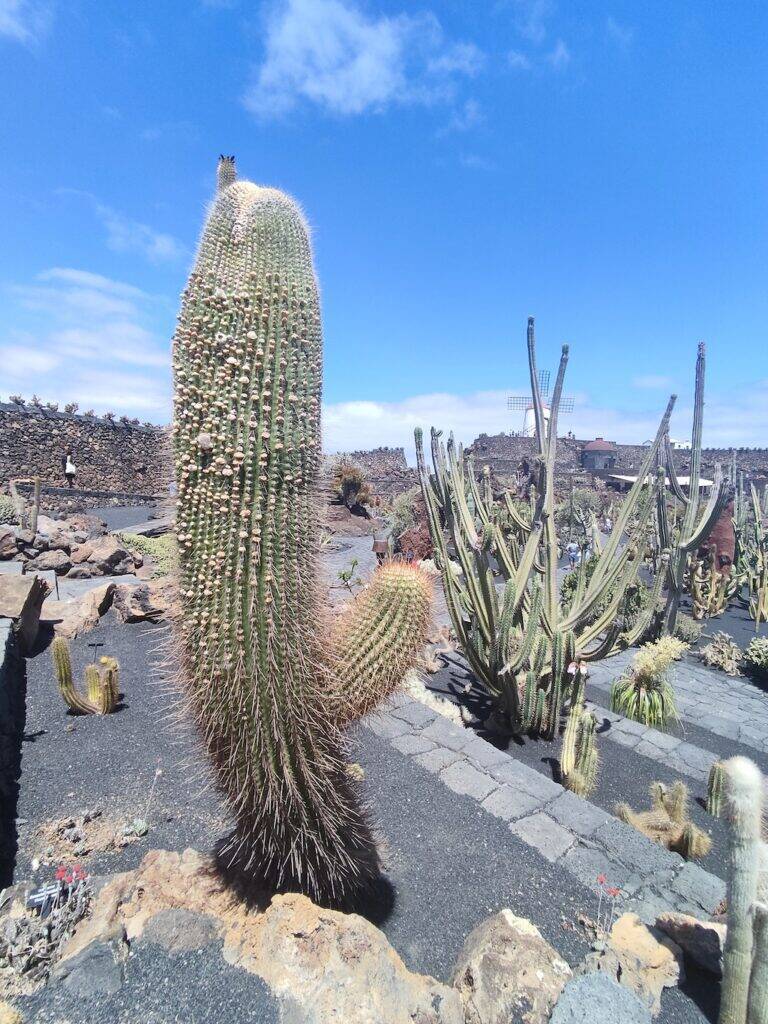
(601, 166)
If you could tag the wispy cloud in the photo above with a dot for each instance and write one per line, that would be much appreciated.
(652, 382)
(621, 35)
(24, 21)
(468, 116)
(475, 162)
(560, 56)
(335, 56)
(127, 235)
(531, 18)
(81, 337)
(519, 61)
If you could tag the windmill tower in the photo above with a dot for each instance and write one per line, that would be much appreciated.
(524, 404)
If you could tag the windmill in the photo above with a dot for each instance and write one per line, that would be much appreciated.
(524, 404)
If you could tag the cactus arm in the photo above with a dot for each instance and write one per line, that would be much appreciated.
(674, 483)
(62, 664)
(718, 500)
(757, 1008)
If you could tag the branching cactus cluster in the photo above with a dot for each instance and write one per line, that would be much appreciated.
(519, 640)
(266, 676)
(744, 990)
(751, 556)
(684, 539)
(102, 682)
(711, 589)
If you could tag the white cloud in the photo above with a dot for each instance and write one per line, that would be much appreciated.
(531, 17)
(125, 235)
(468, 116)
(560, 55)
(518, 61)
(476, 163)
(653, 382)
(23, 20)
(621, 35)
(332, 54)
(81, 331)
(739, 421)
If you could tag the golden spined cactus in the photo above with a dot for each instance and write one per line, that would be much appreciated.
(579, 759)
(667, 822)
(715, 789)
(101, 682)
(379, 637)
(256, 656)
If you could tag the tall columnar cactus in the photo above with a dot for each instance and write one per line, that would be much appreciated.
(696, 525)
(578, 756)
(751, 555)
(743, 811)
(520, 643)
(256, 654)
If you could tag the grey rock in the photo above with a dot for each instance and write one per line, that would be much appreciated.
(59, 561)
(701, 941)
(700, 888)
(94, 971)
(577, 814)
(597, 999)
(180, 931)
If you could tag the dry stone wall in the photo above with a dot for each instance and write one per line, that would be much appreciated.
(110, 455)
(385, 469)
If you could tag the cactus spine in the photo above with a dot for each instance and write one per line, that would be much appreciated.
(256, 653)
(101, 683)
(743, 808)
(715, 786)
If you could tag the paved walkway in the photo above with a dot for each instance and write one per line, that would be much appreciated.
(565, 829)
(729, 706)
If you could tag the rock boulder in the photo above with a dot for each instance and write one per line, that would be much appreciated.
(702, 941)
(508, 972)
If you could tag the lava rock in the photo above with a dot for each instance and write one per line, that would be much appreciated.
(597, 999)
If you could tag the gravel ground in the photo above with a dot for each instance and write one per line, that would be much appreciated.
(121, 517)
(448, 863)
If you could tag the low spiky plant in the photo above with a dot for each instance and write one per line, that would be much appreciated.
(686, 629)
(350, 485)
(667, 822)
(645, 693)
(101, 682)
(721, 652)
(756, 657)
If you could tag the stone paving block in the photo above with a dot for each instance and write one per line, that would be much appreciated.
(628, 725)
(587, 864)
(698, 886)
(484, 753)
(544, 833)
(719, 726)
(416, 714)
(398, 700)
(662, 740)
(509, 803)
(446, 734)
(435, 760)
(678, 765)
(626, 739)
(462, 778)
(576, 814)
(695, 756)
(387, 727)
(527, 779)
(409, 744)
(625, 844)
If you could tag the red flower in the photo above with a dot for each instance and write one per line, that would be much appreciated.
(613, 892)
(61, 872)
(602, 879)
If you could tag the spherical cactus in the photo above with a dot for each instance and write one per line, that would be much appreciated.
(255, 656)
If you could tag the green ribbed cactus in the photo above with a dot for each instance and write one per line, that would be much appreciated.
(743, 812)
(379, 637)
(715, 786)
(101, 684)
(578, 757)
(256, 652)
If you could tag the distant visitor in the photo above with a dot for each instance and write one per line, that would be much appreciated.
(70, 469)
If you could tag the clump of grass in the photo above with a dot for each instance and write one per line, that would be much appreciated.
(645, 693)
(163, 550)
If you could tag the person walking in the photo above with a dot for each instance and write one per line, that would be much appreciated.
(574, 554)
(70, 469)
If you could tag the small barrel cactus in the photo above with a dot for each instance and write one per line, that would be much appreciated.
(258, 658)
(101, 682)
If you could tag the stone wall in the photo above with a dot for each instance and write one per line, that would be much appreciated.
(385, 469)
(110, 455)
(504, 453)
(12, 717)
